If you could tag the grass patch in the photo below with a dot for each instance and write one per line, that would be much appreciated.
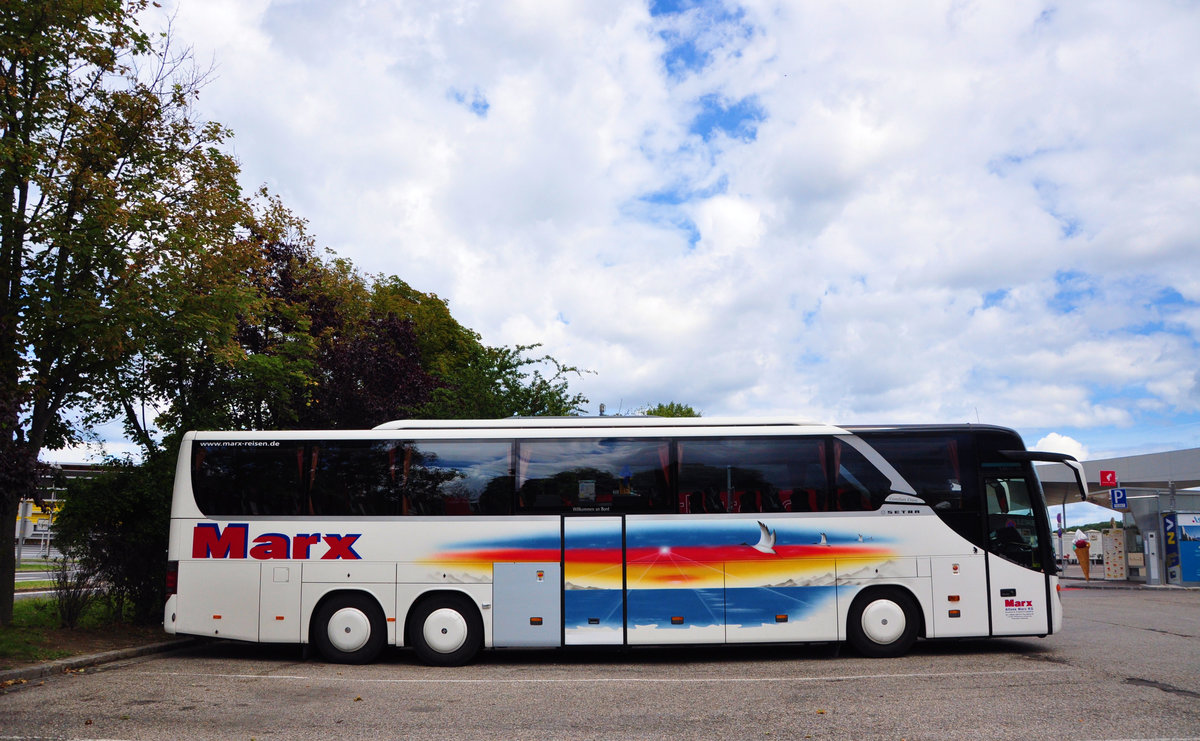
(38, 565)
(26, 639)
(34, 586)
(34, 636)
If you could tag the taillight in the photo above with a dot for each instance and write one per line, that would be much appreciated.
(172, 577)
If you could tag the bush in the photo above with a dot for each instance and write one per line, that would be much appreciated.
(75, 588)
(116, 527)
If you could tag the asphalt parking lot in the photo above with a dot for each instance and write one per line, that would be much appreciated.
(1125, 666)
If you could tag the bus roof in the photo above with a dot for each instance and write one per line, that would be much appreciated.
(511, 423)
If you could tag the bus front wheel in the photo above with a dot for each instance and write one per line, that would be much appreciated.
(883, 622)
(349, 629)
(445, 630)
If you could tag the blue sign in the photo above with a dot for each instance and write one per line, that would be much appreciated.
(1119, 499)
(1187, 536)
(1171, 549)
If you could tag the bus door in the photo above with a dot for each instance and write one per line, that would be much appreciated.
(1017, 579)
(675, 578)
(594, 580)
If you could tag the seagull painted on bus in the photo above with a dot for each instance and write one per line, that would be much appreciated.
(766, 540)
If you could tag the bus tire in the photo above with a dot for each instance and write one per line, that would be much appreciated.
(349, 628)
(883, 622)
(445, 630)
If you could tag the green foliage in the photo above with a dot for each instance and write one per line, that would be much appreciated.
(107, 183)
(493, 383)
(473, 380)
(670, 409)
(116, 527)
(1100, 526)
(74, 589)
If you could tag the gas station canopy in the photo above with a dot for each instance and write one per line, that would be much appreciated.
(1149, 471)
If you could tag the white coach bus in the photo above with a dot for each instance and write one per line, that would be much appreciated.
(449, 537)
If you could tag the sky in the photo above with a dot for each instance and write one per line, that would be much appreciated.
(866, 212)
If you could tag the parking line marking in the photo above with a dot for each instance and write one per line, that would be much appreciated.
(625, 680)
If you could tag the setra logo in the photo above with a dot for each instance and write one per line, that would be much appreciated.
(209, 541)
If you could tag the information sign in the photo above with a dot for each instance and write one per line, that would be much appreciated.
(1171, 549)
(1119, 499)
(1187, 535)
(1114, 554)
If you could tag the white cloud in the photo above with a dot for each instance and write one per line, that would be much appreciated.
(947, 212)
(1056, 443)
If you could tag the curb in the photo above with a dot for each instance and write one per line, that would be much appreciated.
(1078, 583)
(63, 666)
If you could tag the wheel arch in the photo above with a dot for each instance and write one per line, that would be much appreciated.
(868, 592)
(887, 596)
(336, 592)
(339, 609)
(480, 604)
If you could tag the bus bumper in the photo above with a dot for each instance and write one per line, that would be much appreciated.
(1056, 608)
(169, 613)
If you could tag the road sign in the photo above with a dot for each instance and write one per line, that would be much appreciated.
(1108, 479)
(1119, 499)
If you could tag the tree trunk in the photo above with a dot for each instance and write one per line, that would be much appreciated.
(9, 506)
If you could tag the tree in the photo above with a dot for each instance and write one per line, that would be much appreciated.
(670, 409)
(107, 183)
(473, 380)
(233, 348)
(369, 364)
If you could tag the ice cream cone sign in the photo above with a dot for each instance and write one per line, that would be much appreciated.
(1083, 551)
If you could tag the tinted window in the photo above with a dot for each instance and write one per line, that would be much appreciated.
(741, 474)
(351, 478)
(457, 478)
(860, 486)
(1012, 514)
(593, 475)
(941, 468)
(354, 477)
(240, 477)
(933, 465)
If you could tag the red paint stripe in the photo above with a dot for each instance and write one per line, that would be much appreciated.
(518, 555)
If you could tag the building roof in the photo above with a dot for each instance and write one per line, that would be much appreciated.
(1149, 471)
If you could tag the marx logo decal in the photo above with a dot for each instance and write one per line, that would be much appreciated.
(209, 541)
(1018, 609)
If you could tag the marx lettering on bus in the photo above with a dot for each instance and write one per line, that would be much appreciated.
(210, 541)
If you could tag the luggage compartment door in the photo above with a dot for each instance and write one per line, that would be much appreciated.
(528, 604)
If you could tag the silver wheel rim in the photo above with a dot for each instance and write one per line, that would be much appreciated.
(883, 621)
(445, 630)
(349, 629)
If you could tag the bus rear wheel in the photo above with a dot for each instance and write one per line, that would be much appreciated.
(349, 629)
(883, 622)
(445, 630)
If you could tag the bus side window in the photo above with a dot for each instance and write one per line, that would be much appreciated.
(1012, 527)
(458, 477)
(860, 486)
(811, 492)
(751, 475)
(234, 480)
(593, 475)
